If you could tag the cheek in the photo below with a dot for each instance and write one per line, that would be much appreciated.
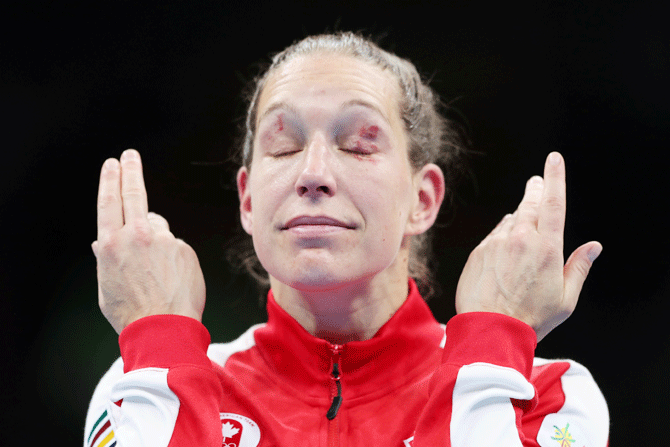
(385, 203)
(264, 193)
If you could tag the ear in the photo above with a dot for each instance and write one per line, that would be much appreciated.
(244, 194)
(429, 189)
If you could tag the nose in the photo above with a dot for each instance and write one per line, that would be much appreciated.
(316, 177)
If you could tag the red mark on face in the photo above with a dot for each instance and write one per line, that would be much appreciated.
(369, 132)
(360, 157)
(279, 124)
(362, 149)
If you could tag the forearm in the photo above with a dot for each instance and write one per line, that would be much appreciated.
(491, 391)
(167, 394)
(478, 395)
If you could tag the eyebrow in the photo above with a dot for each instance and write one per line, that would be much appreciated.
(294, 111)
(367, 105)
(278, 105)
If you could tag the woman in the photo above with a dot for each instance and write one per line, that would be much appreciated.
(338, 185)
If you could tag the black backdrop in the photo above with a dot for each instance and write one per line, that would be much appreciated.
(81, 82)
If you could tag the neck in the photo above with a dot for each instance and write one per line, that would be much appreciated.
(349, 312)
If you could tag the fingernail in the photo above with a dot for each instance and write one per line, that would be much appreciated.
(130, 154)
(109, 164)
(94, 248)
(536, 179)
(594, 252)
(554, 158)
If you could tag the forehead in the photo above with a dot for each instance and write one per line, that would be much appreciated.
(331, 80)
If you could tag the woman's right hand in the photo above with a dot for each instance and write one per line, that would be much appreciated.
(142, 268)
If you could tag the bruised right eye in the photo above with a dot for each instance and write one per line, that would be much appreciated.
(280, 136)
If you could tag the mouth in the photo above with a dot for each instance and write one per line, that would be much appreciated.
(324, 221)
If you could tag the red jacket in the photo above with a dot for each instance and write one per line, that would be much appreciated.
(410, 385)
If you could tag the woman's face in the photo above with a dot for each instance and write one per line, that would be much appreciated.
(330, 196)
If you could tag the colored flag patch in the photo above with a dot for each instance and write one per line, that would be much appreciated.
(101, 434)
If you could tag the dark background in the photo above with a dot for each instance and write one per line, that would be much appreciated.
(81, 82)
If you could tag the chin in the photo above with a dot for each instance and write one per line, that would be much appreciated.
(314, 279)
(319, 280)
(320, 271)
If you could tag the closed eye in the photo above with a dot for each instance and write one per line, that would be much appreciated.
(285, 153)
(356, 150)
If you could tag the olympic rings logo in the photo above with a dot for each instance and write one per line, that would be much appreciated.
(232, 444)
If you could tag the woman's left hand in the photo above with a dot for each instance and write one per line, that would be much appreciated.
(518, 269)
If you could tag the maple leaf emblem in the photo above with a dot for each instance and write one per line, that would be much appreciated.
(229, 430)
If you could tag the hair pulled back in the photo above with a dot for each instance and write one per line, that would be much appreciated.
(432, 137)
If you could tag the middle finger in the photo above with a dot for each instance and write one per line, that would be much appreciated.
(133, 191)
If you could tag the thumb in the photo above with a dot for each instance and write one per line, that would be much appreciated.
(577, 268)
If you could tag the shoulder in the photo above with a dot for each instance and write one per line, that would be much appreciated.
(219, 353)
(570, 404)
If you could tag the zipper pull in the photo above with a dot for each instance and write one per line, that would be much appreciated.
(337, 400)
(335, 375)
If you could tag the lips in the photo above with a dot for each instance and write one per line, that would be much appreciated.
(316, 220)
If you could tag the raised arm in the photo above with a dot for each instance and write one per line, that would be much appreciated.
(513, 291)
(142, 268)
(164, 391)
(518, 269)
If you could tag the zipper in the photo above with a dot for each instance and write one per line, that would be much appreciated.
(337, 398)
(336, 395)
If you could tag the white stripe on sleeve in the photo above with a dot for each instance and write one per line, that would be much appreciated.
(482, 413)
(148, 413)
(149, 410)
(583, 419)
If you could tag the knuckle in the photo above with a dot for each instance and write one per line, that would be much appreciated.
(519, 239)
(187, 250)
(484, 246)
(498, 241)
(164, 237)
(184, 247)
(554, 203)
(107, 200)
(157, 220)
(474, 254)
(108, 244)
(140, 232)
(131, 192)
(583, 267)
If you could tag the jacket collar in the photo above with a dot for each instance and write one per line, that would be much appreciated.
(405, 347)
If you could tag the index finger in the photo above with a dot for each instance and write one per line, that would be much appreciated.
(551, 220)
(110, 210)
(133, 192)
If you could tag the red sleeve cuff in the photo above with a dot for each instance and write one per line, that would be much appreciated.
(164, 341)
(493, 338)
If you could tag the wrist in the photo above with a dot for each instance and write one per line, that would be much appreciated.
(163, 341)
(489, 337)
